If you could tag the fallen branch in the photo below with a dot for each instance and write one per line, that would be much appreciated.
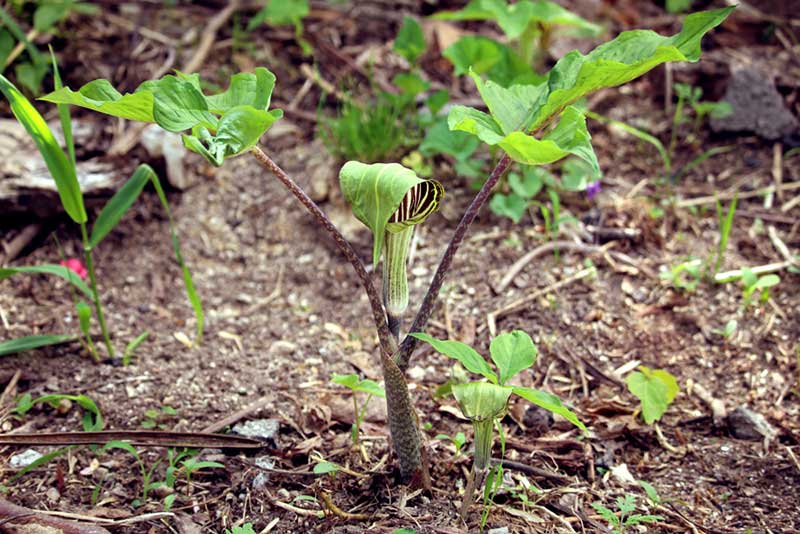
(143, 438)
(15, 518)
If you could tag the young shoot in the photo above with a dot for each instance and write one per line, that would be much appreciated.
(485, 402)
(355, 385)
(655, 388)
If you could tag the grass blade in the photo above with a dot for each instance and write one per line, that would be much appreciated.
(12, 346)
(62, 171)
(116, 207)
(15, 30)
(191, 293)
(639, 134)
(63, 113)
(131, 348)
(49, 268)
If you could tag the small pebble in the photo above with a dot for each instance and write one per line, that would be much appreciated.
(24, 459)
(259, 429)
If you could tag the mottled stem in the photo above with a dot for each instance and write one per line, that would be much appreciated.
(388, 344)
(403, 421)
(425, 310)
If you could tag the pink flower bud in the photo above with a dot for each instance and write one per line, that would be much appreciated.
(76, 266)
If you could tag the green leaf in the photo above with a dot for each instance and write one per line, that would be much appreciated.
(176, 103)
(92, 418)
(192, 464)
(131, 348)
(375, 191)
(512, 352)
(486, 56)
(656, 389)
(47, 15)
(623, 59)
(766, 281)
(514, 19)
(410, 84)
(512, 206)
(6, 46)
(353, 383)
(481, 401)
(280, 12)
(410, 41)
(84, 316)
(122, 445)
(118, 204)
(49, 268)
(462, 352)
(21, 344)
(246, 89)
(475, 122)
(100, 96)
(62, 171)
(188, 283)
(63, 113)
(550, 403)
(239, 129)
(323, 468)
(439, 139)
(569, 137)
(529, 183)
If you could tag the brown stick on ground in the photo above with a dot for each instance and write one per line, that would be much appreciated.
(13, 517)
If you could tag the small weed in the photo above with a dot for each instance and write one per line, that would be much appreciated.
(370, 387)
(655, 388)
(458, 440)
(625, 507)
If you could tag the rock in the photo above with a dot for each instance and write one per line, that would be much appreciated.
(757, 107)
(261, 479)
(24, 459)
(744, 423)
(500, 530)
(52, 495)
(161, 143)
(264, 429)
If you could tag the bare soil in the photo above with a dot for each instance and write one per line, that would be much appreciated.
(284, 312)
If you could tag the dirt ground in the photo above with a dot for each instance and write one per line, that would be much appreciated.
(283, 312)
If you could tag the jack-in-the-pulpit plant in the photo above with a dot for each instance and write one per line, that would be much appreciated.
(390, 200)
(534, 124)
(485, 402)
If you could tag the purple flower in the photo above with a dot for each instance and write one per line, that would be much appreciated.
(592, 189)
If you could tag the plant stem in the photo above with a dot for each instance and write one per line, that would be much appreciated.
(403, 421)
(425, 310)
(387, 342)
(87, 250)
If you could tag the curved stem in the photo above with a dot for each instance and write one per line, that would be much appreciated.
(388, 345)
(421, 320)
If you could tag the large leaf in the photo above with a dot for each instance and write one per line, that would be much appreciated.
(410, 41)
(12, 346)
(480, 401)
(440, 139)
(462, 352)
(549, 402)
(374, 193)
(495, 60)
(239, 129)
(515, 18)
(623, 59)
(175, 102)
(512, 352)
(49, 268)
(656, 389)
(61, 169)
(246, 89)
(570, 136)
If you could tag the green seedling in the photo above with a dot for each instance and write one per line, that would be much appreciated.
(689, 95)
(625, 507)
(485, 403)
(62, 168)
(284, 13)
(534, 124)
(528, 25)
(30, 71)
(370, 387)
(154, 418)
(458, 440)
(655, 389)
(729, 329)
(130, 349)
(752, 284)
(327, 468)
(92, 420)
(147, 474)
(247, 528)
(193, 465)
(685, 276)
(725, 220)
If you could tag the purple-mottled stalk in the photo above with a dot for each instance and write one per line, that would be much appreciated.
(426, 308)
